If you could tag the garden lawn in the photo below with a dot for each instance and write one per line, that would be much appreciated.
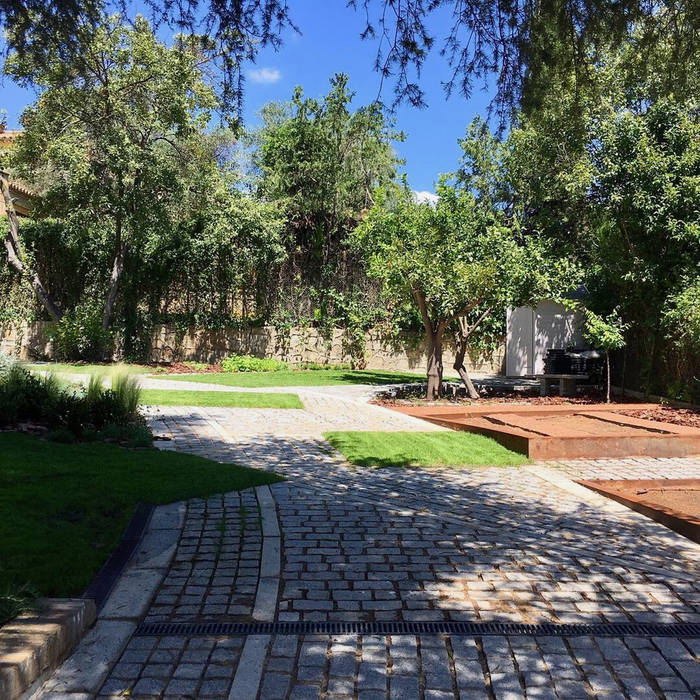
(227, 399)
(64, 506)
(425, 449)
(300, 377)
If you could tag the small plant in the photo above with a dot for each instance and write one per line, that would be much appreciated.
(127, 395)
(133, 435)
(7, 362)
(248, 363)
(196, 366)
(317, 366)
(15, 600)
(605, 333)
(62, 435)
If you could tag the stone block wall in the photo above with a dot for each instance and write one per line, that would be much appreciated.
(406, 353)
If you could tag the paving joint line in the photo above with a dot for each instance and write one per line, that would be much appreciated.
(248, 676)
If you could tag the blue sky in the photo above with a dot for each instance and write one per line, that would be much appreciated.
(330, 43)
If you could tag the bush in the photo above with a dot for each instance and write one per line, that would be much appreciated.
(44, 400)
(79, 335)
(248, 363)
(316, 366)
(7, 362)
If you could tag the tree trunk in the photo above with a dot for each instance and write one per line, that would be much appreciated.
(464, 375)
(607, 368)
(433, 336)
(462, 347)
(14, 253)
(115, 277)
(435, 364)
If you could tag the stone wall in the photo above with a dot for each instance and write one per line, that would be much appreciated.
(407, 353)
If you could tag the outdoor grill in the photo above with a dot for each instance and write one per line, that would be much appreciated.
(572, 361)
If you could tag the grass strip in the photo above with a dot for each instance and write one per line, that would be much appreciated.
(326, 377)
(422, 449)
(224, 399)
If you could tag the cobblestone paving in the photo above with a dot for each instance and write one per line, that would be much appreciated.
(357, 544)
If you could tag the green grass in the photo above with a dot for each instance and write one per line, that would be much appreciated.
(424, 449)
(78, 368)
(228, 399)
(64, 506)
(290, 377)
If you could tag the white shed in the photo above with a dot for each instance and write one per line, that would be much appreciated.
(530, 332)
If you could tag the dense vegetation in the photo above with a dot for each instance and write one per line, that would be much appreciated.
(148, 214)
(91, 412)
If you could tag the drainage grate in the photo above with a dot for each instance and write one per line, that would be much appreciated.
(472, 629)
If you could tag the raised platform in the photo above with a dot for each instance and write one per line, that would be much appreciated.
(567, 431)
(673, 502)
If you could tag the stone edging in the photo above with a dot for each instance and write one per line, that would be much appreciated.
(246, 682)
(34, 643)
(87, 668)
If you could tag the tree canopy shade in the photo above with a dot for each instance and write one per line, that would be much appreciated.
(527, 45)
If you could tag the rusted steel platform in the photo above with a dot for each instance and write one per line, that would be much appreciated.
(673, 502)
(567, 431)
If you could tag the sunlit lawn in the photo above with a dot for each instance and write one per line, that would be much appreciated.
(422, 449)
(225, 399)
(304, 377)
(78, 368)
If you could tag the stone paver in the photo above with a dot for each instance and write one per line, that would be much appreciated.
(485, 544)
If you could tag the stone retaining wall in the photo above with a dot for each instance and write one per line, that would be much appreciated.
(406, 353)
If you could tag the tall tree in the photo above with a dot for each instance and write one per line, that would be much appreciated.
(449, 259)
(323, 160)
(117, 144)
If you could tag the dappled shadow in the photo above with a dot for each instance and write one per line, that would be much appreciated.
(477, 543)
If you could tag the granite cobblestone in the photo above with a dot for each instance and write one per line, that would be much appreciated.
(360, 544)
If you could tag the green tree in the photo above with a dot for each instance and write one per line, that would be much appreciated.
(449, 259)
(119, 143)
(322, 160)
(605, 333)
(524, 46)
(645, 246)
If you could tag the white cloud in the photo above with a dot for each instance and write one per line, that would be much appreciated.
(265, 75)
(424, 197)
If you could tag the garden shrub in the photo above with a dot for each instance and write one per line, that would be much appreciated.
(248, 363)
(7, 362)
(66, 411)
(324, 366)
(79, 335)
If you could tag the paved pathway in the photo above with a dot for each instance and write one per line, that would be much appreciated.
(337, 543)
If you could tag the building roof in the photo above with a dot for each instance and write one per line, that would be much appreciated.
(7, 138)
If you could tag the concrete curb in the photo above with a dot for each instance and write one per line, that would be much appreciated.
(35, 643)
(246, 681)
(87, 668)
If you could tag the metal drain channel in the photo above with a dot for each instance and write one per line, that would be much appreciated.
(472, 629)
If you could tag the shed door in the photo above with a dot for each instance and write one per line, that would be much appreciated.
(519, 341)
